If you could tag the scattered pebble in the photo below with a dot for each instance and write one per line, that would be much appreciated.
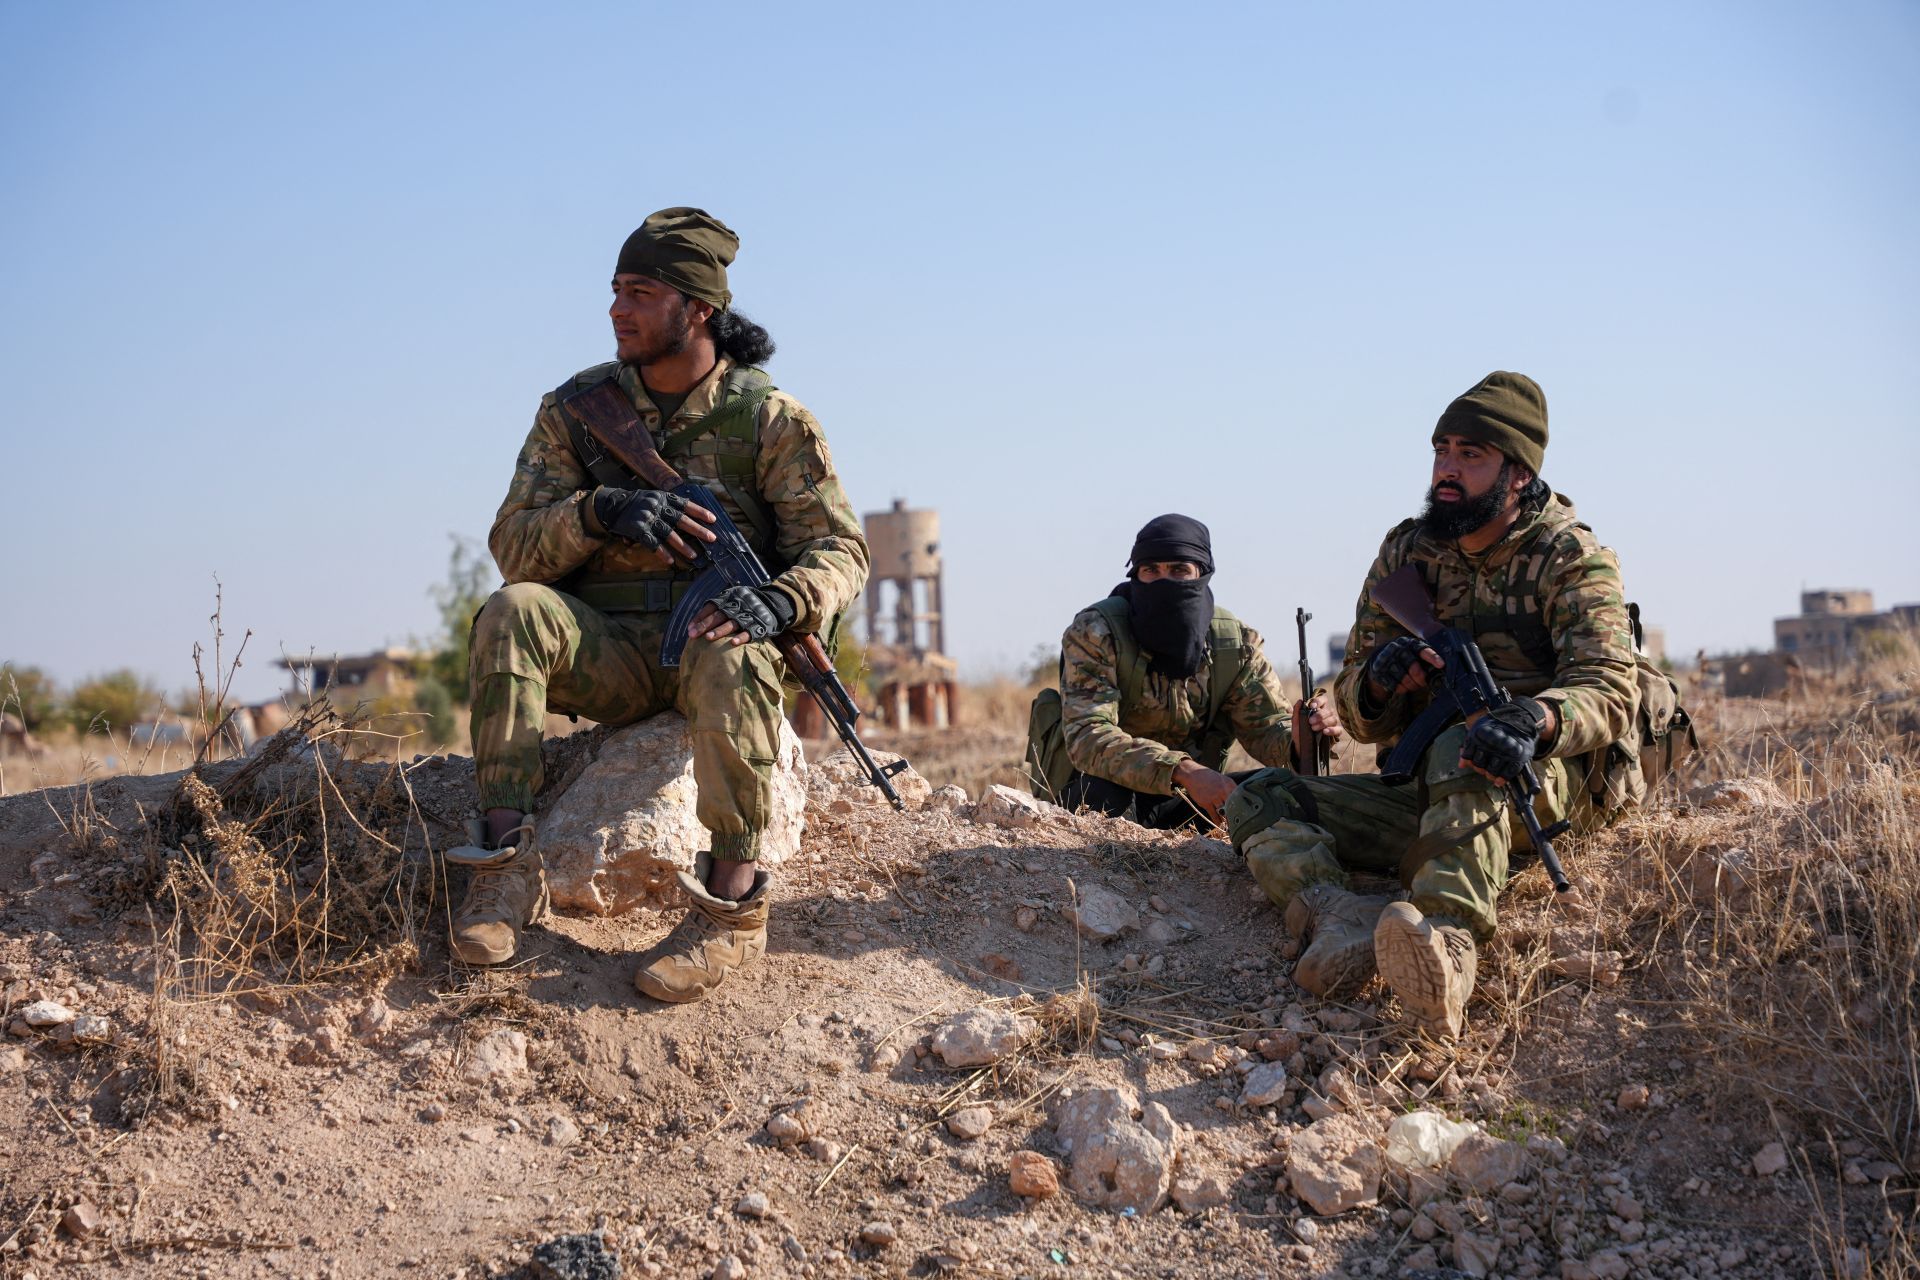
(969, 1123)
(81, 1219)
(879, 1234)
(46, 1013)
(754, 1204)
(1032, 1175)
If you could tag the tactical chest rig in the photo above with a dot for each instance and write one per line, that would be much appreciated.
(728, 433)
(1620, 774)
(1048, 768)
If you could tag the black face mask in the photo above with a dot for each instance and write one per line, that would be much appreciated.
(1450, 520)
(1172, 619)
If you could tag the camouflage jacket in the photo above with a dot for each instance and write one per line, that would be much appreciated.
(545, 529)
(1140, 746)
(1546, 587)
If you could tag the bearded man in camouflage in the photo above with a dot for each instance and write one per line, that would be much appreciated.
(1507, 561)
(1156, 685)
(595, 561)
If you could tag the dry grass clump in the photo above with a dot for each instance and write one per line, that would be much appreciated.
(1805, 971)
(291, 869)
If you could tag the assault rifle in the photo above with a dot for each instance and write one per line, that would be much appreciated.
(1312, 751)
(728, 561)
(1467, 689)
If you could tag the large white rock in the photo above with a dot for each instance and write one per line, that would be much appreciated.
(1102, 914)
(1006, 807)
(1123, 1153)
(1335, 1165)
(840, 777)
(616, 836)
(980, 1037)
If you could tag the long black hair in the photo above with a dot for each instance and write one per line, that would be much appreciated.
(742, 339)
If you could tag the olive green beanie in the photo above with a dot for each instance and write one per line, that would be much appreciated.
(1505, 410)
(686, 248)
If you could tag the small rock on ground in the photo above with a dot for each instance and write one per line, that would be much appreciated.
(1032, 1175)
(574, 1257)
(969, 1123)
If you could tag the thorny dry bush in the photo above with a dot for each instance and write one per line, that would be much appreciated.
(292, 869)
(1782, 912)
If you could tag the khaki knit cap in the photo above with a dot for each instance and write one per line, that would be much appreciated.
(689, 249)
(1505, 410)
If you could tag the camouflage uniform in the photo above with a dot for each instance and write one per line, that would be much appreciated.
(578, 628)
(1138, 746)
(1545, 605)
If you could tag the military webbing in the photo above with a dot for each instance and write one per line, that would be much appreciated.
(1213, 738)
(1520, 620)
(731, 423)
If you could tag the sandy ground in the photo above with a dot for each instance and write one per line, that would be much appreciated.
(383, 1123)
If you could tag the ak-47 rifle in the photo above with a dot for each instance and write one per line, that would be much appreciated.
(1312, 751)
(1467, 689)
(728, 561)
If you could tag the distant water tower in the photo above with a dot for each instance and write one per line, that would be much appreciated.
(916, 685)
(903, 593)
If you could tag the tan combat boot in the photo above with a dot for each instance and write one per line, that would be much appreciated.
(506, 892)
(1429, 964)
(1337, 926)
(715, 938)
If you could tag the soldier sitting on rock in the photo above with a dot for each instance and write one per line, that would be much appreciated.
(1156, 685)
(596, 560)
(1507, 561)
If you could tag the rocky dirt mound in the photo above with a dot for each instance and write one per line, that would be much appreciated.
(989, 1037)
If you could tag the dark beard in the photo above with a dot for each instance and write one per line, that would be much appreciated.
(675, 340)
(1451, 520)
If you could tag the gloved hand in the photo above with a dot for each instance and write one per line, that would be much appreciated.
(1502, 742)
(1390, 664)
(759, 612)
(644, 516)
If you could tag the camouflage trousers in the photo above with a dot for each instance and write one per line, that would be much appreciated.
(1446, 834)
(537, 650)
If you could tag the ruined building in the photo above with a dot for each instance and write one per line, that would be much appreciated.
(1832, 624)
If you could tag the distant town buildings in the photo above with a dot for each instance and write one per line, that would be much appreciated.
(346, 679)
(1833, 629)
(1832, 624)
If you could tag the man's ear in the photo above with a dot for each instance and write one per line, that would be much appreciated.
(699, 312)
(1520, 479)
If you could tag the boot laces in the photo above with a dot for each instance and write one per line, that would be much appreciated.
(490, 890)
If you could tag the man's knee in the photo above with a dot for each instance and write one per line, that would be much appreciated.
(517, 631)
(1268, 797)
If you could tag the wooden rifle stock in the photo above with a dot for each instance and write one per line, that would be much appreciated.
(612, 420)
(1404, 597)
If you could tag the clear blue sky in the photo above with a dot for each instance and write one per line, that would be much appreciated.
(280, 288)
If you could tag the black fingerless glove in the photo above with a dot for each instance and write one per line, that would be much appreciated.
(1503, 741)
(758, 611)
(641, 516)
(1389, 666)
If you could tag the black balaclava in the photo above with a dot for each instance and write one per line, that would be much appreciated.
(1172, 618)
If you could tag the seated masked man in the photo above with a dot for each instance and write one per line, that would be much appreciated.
(1156, 685)
(1506, 561)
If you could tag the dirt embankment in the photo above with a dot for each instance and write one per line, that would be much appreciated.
(272, 1068)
